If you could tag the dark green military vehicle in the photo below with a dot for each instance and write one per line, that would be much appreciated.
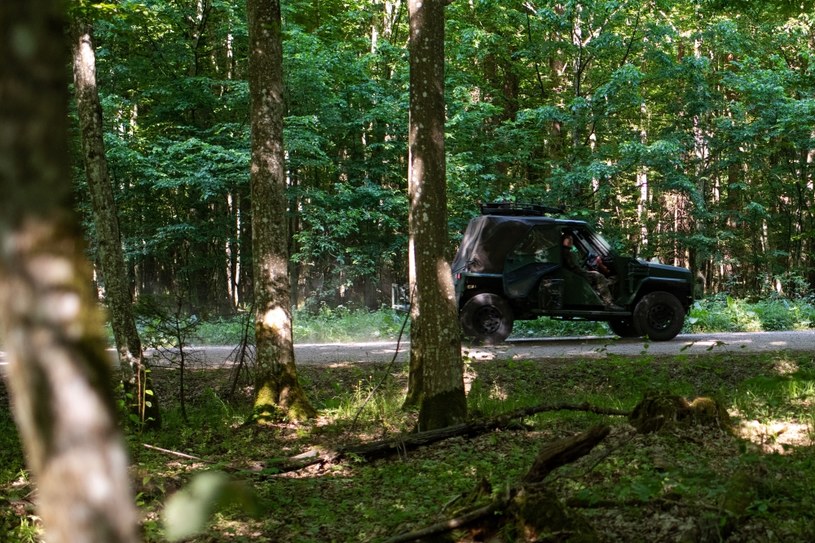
(509, 267)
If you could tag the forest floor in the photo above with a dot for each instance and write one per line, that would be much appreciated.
(686, 482)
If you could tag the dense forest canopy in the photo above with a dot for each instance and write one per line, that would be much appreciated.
(684, 130)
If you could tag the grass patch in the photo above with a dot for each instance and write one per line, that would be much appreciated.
(633, 487)
(342, 324)
(337, 325)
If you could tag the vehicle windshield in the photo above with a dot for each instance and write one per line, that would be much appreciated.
(592, 242)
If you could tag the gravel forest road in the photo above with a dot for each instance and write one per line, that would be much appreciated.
(549, 348)
(572, 347)
(526, 349)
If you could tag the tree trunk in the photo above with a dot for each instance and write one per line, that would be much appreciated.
(58, 370)
(277, 386)
(435, 351)
(108, 239)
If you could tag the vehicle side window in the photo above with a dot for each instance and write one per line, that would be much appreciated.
(541, 244)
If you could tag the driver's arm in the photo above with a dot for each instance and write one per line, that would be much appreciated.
(601, 266)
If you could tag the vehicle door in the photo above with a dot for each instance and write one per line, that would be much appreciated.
(533, 260)
(578, 291)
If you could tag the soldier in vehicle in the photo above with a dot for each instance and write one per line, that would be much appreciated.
(597, 279)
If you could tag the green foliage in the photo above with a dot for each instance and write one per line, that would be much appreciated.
(374, 398)
(11, 461)
(164, 324)
(349, 233)
(786, 394)
(24, 529)
(727, 314)
(546, 327)
(17, 525)
(342, 324)
(225, 330)
(684, 130)
(160, 329)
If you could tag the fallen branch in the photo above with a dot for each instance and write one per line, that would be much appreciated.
(406, 442)
(451, 524)
(175, 453)
(529, 495)
(378, 449)
(564, 451)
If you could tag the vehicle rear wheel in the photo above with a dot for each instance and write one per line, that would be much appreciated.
(624, 328)
(659, 315)
(486, 318)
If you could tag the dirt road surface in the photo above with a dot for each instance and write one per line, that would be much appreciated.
(524, 349)
(573, 347)
(541, 349)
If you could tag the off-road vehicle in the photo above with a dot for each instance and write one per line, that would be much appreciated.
(509, 267)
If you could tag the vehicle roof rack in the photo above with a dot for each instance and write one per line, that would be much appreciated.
(517, 209)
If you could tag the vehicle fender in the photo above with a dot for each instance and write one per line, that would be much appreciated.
(676, 286)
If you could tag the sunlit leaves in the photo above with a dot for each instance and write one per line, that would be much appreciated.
(571, 101)
(350, 231)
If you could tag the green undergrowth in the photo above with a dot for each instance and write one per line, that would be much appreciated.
(327, 325)
(632, 487)
(726, 314)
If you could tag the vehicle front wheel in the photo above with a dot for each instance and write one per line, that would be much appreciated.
(659, 315)
(624, 328)
(486, 318)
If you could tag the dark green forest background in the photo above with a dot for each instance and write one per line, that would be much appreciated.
(684, 130)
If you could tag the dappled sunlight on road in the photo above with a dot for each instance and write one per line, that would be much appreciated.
(565, 348)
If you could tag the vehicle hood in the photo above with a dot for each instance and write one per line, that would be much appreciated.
(656, 269)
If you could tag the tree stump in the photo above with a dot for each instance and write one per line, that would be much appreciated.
(660, 409)
(537, 514)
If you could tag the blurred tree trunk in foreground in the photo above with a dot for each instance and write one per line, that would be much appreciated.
(58, 370)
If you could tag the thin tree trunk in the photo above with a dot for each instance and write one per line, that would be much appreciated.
(809, 262)
(114, 271)
(435, 339)
(58, 370)
(277, 386)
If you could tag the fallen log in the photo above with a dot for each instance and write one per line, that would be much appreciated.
(451, 524)
(564, 451)
(406, 442)
(659, 409)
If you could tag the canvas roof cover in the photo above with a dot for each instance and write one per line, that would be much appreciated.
(488, 239)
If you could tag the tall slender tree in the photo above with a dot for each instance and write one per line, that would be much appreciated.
(277, 386)
(58, 370)
(108, 240)
(436, 368)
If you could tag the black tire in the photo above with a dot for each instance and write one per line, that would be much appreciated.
(659, 315)
(624, 327)
(486, 318)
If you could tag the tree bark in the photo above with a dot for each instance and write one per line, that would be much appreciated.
(118, 296)
(58, 370)
(435, 352)
(277, 386)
